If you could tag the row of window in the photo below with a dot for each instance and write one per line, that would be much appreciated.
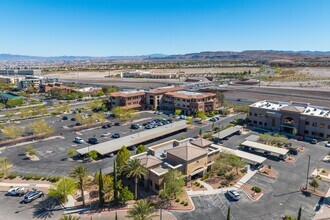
(315, 124)
(314, 133)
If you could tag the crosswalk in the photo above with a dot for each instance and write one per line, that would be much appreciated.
(215, 201)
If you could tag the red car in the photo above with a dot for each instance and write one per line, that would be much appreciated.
(300, 138)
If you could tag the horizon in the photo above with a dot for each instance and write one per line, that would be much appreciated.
(103, 28)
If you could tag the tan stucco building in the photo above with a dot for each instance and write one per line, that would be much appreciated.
(292, 118)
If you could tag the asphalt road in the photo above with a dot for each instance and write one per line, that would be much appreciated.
(41, 208)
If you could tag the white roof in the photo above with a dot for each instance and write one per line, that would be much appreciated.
(317, 111)
(229, 131)
(270, 105)
(276, 150)
(135, 139)
(244, 155)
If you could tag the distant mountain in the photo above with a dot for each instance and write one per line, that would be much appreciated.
(248, 55)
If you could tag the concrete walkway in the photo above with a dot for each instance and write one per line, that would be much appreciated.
(245, 178)
(121, 214)
(40, 185)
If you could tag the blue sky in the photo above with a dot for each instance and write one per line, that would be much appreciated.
(127, 27)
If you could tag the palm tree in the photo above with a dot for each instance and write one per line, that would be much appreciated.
(69, 217)
(135, 169)
(80, 174)
(142, 210)
(173, 182)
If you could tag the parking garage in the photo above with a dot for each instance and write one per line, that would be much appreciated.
(265, 149)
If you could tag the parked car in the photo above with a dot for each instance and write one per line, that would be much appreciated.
(327, 144)
(93, 140)
(73, 119)
(116, 135)
(234, 195)
(65, 117)
(293, 151)
(32, 196)
(232, 122)
(106, 134)
(117, 124)
(148, 126)
(300, 138)
(78, 124)
(78, 140)
(17, 191)
(313, 141)
(109, 125)
(135, 126)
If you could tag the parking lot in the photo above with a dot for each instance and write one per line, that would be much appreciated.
(41, 208)
(281, 196)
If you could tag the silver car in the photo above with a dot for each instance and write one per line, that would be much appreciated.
(234, 195)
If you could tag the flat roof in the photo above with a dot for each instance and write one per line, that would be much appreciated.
(244, 155)
(134, 139)
(10, 95)
(190, 95)
(276, 150)
(229, 131)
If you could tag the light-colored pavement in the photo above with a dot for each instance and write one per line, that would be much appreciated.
(122, 215)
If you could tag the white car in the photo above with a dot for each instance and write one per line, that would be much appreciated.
(234, 195)
(106, 134)
(79, 140)
(17, 191)
(327, 144)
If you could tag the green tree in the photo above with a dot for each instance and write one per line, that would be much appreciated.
(12, 131)
(14, 103)
(123, 114)
(125, 194)
(142, 210)
(95, 105)
(141, 149)
(92, 154)
(221, 97)
(201, 115)
(79, 173)
(5, 165)
(115, 183)
(30, 150)
(40, 127)
(314, 184)
(236, 162)
(64, 187)
(173, 183)
(101, 190)
(71, 152)
(25, 113)
(136, 170)
(177, 111)
(69, 217)
(122, 158)
(200, 133)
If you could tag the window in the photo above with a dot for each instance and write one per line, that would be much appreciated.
(157, 187)
(306, 122)
(265, 124)
(322, 125)
(250, 113)
(273, 121)
(255, 122)
(255, 114)
(260, 123)
(261, 115)
(328, 126)
(313, 133)
(321, 134)
(306, 132)
(314, 124)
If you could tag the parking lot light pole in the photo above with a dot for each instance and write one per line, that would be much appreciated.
(309, 161)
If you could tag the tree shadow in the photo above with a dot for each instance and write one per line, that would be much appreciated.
(46, 209)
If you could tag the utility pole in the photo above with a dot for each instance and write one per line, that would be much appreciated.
(309, 161)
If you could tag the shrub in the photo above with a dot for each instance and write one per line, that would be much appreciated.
(182, 202)
(229, 177)
(53, 179)
(185, 203)
(323, 171)
(12, 176)
(2, 175)
(201, 186)
(256, 189)
(177, 200)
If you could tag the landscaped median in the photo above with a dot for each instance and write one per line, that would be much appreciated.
(253, 192)
(268, 171)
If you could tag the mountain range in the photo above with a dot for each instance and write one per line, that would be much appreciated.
(248, 55)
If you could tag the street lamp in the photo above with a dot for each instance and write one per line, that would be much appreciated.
(309, 161)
